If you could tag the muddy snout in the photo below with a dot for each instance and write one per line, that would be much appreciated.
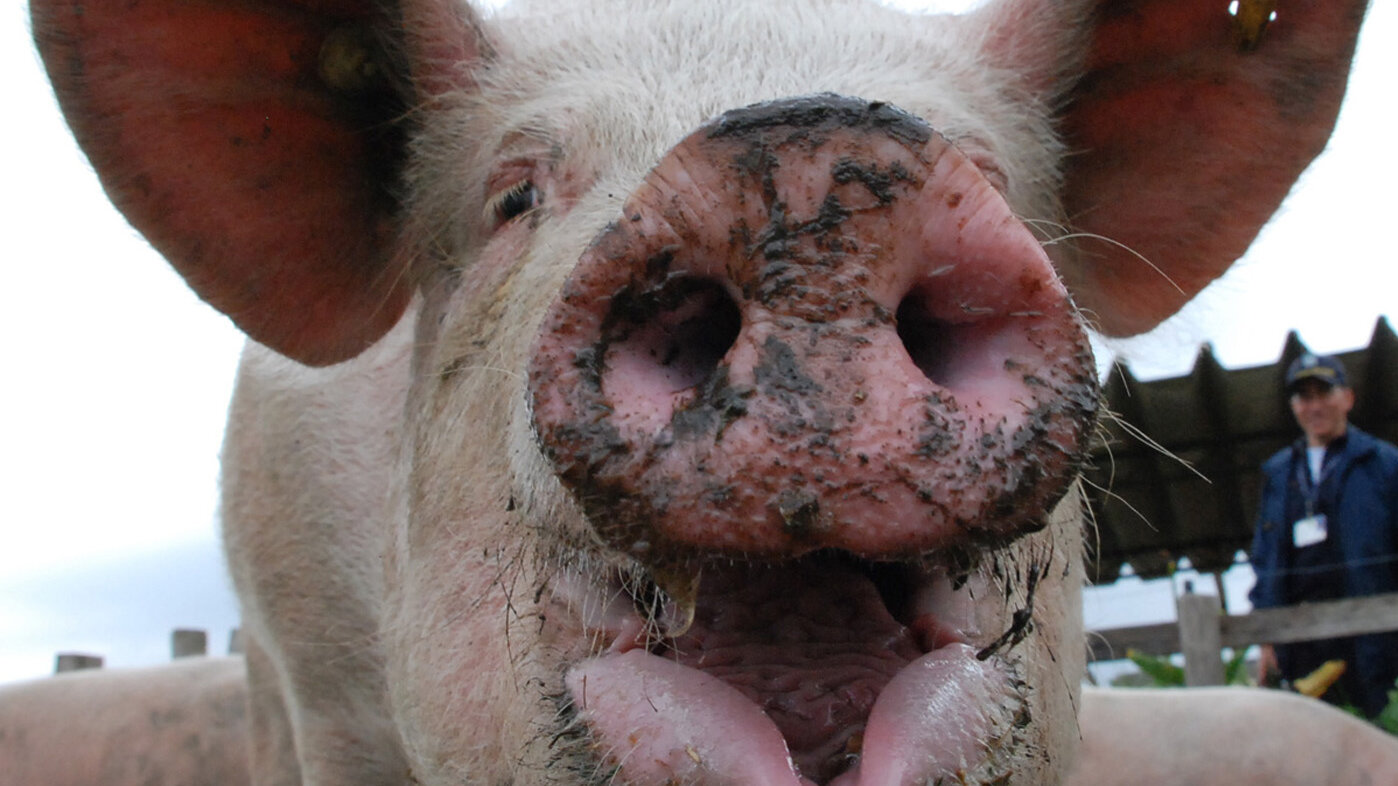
(815, 325)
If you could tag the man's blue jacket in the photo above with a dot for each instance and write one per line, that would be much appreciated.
(1365, 521)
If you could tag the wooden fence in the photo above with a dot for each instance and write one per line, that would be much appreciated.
(1200, 634)
(184, 643)
(1203, 630)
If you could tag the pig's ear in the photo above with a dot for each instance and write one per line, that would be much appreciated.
(255, 144)
(1184, 136)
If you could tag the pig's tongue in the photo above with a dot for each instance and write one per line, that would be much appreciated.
(779, 682)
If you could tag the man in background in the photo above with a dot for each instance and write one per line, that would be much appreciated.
(1328, 529)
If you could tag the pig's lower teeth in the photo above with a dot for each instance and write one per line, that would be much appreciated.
(665, 599)
(802, 649)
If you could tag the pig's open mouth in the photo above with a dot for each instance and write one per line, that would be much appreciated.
(827, 669)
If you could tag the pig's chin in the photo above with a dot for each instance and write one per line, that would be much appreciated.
(823, 670)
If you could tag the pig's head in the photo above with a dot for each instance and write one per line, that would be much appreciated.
(750, 376)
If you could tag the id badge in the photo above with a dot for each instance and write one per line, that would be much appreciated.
(1308, 531)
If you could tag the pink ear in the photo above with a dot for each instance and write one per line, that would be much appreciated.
(214, 131)
(1183, 142)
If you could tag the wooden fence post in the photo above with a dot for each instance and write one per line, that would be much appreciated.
(185, 642)
(1201, 640)
(1323, 619)
(76, 661)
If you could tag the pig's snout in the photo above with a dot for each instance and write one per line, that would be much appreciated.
(815, 325)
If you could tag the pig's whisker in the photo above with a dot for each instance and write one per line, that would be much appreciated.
(1048, 230)
(507, 590)
(1094, 635)
(1150, 442)
(1094, 547)
(1144, 519)
(1123, 247)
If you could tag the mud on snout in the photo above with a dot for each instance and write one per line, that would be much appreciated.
(806, 389)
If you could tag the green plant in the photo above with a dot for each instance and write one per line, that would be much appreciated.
(1235, 671)
(1164, 674)
(1388, 718)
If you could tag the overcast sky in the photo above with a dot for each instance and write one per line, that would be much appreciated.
(117, 377)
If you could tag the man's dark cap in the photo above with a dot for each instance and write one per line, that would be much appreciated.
(1324, 368)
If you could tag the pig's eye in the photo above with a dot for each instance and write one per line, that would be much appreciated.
(513, 202)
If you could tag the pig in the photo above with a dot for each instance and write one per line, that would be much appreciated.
(179, 724)
(185, 723)
(1234, 736)
(664, 392)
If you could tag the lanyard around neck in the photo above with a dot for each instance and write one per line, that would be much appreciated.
(1310, 490)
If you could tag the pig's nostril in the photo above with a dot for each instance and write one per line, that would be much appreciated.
(670, 339)
(929, 341)
(956, 353)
